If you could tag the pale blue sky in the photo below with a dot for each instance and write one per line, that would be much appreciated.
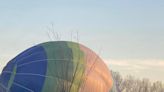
(130, 33)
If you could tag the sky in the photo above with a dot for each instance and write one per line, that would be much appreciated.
(127, 34)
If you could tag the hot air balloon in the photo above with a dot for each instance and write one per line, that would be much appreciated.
(57, 66)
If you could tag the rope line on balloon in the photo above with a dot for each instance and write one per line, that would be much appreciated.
(39, 75)
(3, 86)
(83, 74)
(91, 68)
(48, 60)
(75, 70)
(31, 55)
(31, 74)
(28, 50)
(22, 58)
(93, 65)
(49, 77)
(87, 61)
(20, 85)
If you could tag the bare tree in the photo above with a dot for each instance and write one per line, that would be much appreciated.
(131, 84)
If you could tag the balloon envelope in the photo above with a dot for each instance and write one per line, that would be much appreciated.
(58, 66)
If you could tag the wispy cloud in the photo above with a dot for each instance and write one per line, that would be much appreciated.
(148, 68)
(136, 63)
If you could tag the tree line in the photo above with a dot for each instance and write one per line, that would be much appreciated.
(132, 84)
